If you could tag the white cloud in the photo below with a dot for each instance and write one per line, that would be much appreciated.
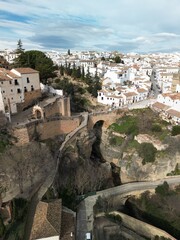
(140, 25)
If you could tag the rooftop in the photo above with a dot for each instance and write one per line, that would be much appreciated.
(25, 70)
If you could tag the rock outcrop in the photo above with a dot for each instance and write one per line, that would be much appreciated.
(131, 167)
(24, 169)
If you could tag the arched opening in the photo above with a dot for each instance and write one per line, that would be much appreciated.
(38, 112)
(96, 151)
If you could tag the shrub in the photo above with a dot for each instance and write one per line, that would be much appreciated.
(162, 189)
(156, 128)
(147, 151)
(114, 217)
(175, 130)
(127, 125)
(116, 140)
(2, 228)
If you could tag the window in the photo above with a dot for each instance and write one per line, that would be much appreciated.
(4, 98)
(102, 98)
(1, 82)
(18, 90)
(11, 90)
(3, 91)
(10, 82)
(32, 88)
(25, 89)
(16, 82)
(27, 80)
(12, 98)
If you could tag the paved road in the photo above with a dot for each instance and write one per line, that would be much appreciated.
(155, 88)
(85, 210)
(142, 104)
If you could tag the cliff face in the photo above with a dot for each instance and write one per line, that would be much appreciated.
(79, 170)
(127, 158)
(24, 169)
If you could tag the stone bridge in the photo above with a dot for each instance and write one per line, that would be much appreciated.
(108, 117)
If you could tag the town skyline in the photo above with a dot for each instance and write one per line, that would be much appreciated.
(126, 26)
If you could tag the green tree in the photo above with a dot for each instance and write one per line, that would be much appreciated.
(147, 151)
(61, 70)
(175, 130)
(38, 61)
(82, 73)
(69, 52)
(162, 189)
(2, 227)
(78, 72)
(117, 59)
(19, 47)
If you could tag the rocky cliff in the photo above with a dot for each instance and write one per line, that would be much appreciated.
(24, 169)
(80, 171)
(125, 156)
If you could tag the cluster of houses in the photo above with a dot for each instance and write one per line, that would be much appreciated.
(122, 84)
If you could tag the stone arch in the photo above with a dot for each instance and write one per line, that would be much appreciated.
(38, 112)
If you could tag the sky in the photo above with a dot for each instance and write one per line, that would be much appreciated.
(142, 26)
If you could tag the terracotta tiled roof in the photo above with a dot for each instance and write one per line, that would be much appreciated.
(25, 70)
(4, 77)
(47, 220)
(130, 94)
(67, 226)
(141, 90)
(11, 74)
(160, 106)
(173, 96)
(173, 113)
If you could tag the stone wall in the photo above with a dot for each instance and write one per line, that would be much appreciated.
(22, 136)
(54, 128)
(29, 98)
(142, 228)
(45, 130)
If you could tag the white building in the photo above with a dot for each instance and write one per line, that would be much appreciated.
(171, 99)
(19, 87)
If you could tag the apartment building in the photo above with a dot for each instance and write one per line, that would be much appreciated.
(19, 88)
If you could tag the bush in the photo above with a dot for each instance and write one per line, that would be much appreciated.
(127, 125)
(114, 217)
(116, 141)
(2, 228)
(162, 189)
(156, 128)
(147, 151)
(175, 130)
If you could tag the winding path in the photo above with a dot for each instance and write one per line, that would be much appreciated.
(85, 210)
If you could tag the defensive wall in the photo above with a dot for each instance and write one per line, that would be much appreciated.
(45, 129)
(50, 128)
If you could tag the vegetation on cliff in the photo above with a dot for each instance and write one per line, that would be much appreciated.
(160, 209)
(139, 121)
(15, 227)
(5, 140)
